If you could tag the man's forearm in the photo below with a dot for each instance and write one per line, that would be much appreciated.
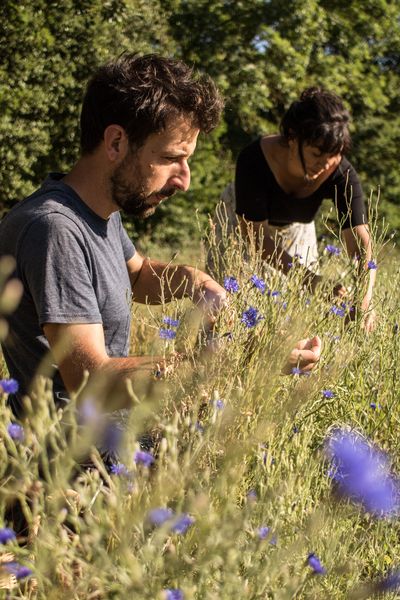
(160, 282)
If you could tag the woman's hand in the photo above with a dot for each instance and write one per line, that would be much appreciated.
(305, 355)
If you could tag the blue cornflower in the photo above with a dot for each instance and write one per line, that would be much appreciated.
(339, 312)
(119, 469)
(19, 571)
(314, 562)
(219, 404)
(372, 265)
(332, 249)
(9, 386)
(274, 294)
(199, 427)
(159, 516)
(296, 429)
(6, 534)
(391, 583)
(284, 305)
(251, 317)
(361, 473)
(262, 532)
(143, 458)
(171, 322)
(297, 371)
(182, 523)
(231, 285)
(174, 594)
(258, 283)
(328, 394)
(16, 432)
(167, 334)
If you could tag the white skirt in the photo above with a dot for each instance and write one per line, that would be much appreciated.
(296, 238)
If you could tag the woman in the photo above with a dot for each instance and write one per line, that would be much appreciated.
(281, 181)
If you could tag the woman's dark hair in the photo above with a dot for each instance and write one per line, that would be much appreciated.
(139, 93)
(318, 119)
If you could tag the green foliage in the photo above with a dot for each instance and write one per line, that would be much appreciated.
(261, 54)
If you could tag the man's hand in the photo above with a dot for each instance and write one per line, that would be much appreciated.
(305, 355)
(210, 297)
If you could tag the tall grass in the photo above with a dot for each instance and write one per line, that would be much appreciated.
(238, 447)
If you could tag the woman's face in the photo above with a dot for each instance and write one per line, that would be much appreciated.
(315, 163)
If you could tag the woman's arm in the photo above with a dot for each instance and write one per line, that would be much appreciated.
(358, 243)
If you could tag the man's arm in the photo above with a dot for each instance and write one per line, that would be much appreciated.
(80, 347)
(155, 282)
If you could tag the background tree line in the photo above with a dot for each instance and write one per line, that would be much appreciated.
(261, 53)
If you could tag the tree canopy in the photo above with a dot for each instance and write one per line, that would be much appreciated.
(262, 54)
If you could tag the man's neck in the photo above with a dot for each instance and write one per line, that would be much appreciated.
(89, 179)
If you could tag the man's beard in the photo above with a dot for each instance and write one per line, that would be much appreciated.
(131, 197)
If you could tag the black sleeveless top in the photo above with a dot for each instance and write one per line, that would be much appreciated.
(260, 198)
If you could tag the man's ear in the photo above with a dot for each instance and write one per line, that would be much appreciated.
(115, 143)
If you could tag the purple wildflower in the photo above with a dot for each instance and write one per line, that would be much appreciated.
(143, 458)
(159, 516)
(332, 249)
(361, 473)
(231, 285)
(339, 312)
(258, 283)
(328, 394)
(284, 305)
(16, 432)
(171, 322)
(219, 404)
(199, 427)
(372, 265)
(297, 371)
(296, 429)
(251, 317)
(182, 523)
(390, 583)
(174, 594)
(314, 562)
(167, 334)
(19, 571)
(9, 386)
(6, 534)
(262, 532)
(119, 469)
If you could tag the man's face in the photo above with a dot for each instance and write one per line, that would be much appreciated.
(156, 170)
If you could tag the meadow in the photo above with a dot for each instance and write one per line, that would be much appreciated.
(235, 496)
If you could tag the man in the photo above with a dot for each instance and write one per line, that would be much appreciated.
(140, 120)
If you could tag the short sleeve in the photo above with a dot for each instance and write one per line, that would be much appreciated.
(348, 196)
(128, 248)
(250, 186)
(55, 268)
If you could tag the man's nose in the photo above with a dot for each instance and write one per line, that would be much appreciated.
(182, 178)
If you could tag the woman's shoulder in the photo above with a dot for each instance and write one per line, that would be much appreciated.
(344, 169)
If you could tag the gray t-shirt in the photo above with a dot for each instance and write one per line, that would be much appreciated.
(72, 264)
